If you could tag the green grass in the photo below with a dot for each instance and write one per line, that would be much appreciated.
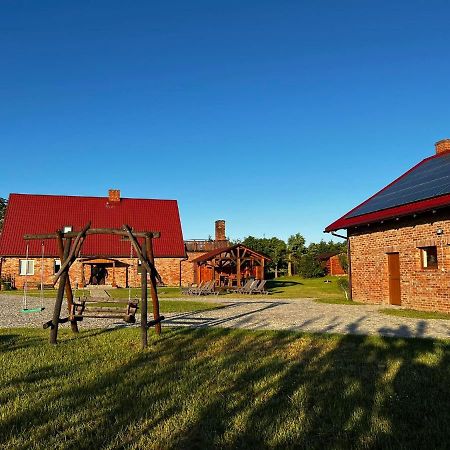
(166, 306)
(415, 314)
(218, 388)
(282, 287)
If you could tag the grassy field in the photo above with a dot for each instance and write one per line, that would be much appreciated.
(167, 306)
(222, 388)
(325, 289)
(415, 314)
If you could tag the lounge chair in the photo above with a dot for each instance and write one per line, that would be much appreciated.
(259, 289)
(201, 290)
(193, 287)
(242, 289)
(248, 289)
(210, 289)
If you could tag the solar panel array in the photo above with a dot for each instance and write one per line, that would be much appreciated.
(430, 179)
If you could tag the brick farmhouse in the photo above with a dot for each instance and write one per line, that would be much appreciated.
(399, 239)
(105, 260)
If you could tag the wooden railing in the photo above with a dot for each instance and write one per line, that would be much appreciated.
(201, 245)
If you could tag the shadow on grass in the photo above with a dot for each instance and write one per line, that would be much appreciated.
(216, 388)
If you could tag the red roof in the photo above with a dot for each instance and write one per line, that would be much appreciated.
(40, 214)
(421, 181)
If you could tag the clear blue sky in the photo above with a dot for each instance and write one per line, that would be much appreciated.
(277, 116)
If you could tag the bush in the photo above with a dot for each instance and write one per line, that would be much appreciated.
(344, 284)
(309, 267)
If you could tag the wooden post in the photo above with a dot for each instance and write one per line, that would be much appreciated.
(69, 293)
(114, 274)
(263, 275)
(153, 291)
(143, 305)
(60, 295)
(238, 267)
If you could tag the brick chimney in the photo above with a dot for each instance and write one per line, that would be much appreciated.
(220, 230)
(442, 146)
(114, 195)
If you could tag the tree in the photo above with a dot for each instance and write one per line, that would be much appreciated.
(309, 266)
(295, 248)
(3, 204)
(326, 247)
(274, 248)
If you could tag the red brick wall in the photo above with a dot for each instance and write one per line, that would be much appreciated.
(334, 266)
(422, 289)
(168, 268)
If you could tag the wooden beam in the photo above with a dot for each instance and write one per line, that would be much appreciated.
(72, 255)
(153, 290)
(74, 234)
(60, 295)
(69, 293)
(150, 268)
(143, 305)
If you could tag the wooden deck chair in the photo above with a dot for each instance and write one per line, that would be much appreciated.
(252, 286)
(244, 288)
(259, 289)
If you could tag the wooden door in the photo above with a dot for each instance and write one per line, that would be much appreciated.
(394, 278)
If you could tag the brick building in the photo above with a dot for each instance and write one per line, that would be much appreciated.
(331, 263)
(106, 259)
(399, 239)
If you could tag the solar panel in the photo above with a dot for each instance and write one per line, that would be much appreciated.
(430, 179)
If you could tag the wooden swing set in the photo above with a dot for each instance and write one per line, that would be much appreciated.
(69, 245)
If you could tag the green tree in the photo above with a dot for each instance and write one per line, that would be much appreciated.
(273, 247)
(309, 266)
(295, 248)
(326, 247)
(3, 204)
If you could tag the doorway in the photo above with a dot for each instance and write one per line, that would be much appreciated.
(394, 279)
(99, 274)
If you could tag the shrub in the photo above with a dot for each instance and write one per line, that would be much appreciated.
(344, 284)
(309, 267)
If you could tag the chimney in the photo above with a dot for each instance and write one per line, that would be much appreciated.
(442, 146)
(220, 230)
(114, 195)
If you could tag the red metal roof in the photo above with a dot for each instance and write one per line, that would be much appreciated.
(38, 214)
(350, 219)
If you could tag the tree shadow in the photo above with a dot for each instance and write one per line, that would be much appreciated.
(220, 388)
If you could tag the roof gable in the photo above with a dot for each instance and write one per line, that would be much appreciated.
(35, 214)
(213, 253)
(426, 186)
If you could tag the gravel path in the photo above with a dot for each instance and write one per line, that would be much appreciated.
(261, 313)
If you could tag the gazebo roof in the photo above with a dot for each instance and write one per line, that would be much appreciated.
(213, 253)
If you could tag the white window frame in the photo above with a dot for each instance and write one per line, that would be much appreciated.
(26, 267)
(424, 257)
(67, 229)
(56, 262)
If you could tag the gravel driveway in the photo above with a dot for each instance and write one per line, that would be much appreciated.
(262, 313)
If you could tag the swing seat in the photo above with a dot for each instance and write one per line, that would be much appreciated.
(31, 310)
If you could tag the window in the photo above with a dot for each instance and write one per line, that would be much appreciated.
(57, 265)
(26, 267)
(67, 229)
(429, 257)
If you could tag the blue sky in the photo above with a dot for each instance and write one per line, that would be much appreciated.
(277, 116)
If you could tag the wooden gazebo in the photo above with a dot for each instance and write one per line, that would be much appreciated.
(230, 266)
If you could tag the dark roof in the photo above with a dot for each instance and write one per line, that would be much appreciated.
(213, 253)
(326, 255)
(38, 214)
(424, 187)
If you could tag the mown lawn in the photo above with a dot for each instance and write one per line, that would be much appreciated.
(325, 290)
(166, 306)
(415, 314)
(221, 388)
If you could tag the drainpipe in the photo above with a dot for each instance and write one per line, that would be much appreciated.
(1, 265)
(181, 260)
(349, 260)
